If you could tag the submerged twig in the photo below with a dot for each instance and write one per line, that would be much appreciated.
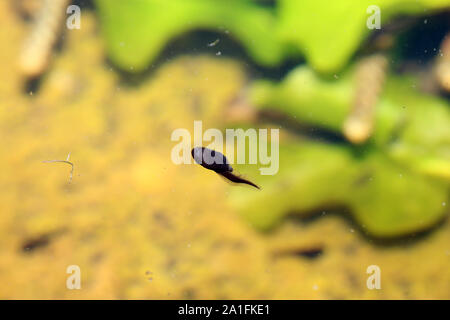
(370, 75)
(63, 161)
(442, 68)
(46, 27)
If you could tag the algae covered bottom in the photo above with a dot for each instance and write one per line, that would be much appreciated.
(140, 227)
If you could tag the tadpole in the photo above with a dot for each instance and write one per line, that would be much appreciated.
(217, 162)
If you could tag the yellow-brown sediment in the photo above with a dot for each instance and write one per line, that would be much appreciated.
(130, 212)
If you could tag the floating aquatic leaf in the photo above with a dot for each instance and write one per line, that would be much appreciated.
(137, 30)
(393, 185)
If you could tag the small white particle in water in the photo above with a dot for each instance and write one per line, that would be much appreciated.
(315, 287)
(189, 245)
(425, 21)
(443, 204)
(214, 43)
(336, 76)
(400, 175)
(122, 44)
(218, 53)
(351, 230)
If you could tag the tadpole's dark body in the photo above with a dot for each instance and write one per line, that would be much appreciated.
(211, 160)
(217, 162)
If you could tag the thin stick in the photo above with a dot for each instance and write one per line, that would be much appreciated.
(46, 28)
(370, 74)
(63, 161)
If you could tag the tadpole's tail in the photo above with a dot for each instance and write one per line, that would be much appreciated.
(234, 178)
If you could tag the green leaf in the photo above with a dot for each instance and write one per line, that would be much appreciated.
(137, 30)
(329, 32)
(397, 183)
